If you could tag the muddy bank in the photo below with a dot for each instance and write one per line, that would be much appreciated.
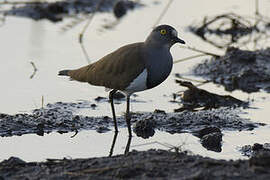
(151, 164)
(248, 71)
(61, 117)
(56, 11)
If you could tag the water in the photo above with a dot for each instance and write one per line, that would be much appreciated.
(24, 41)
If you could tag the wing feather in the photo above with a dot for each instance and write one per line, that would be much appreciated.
(116, 70)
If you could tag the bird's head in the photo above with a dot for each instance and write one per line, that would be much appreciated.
(164, 35)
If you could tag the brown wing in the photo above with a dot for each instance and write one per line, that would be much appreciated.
(116, 70)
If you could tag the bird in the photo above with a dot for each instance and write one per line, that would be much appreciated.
(132, 68)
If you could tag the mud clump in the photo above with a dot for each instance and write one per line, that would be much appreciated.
(144, 128)
(252, 150)
(212, 141)
(248, 71)
(210, 137)
(151, 164)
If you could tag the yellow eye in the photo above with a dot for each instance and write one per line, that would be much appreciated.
(163, 31)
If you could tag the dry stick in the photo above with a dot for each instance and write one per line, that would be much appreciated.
(190, 57)
(2, 20)
(35, 70)
(197, 85)
(42, 102)
(155, 142)
(189, 79)
(163, 12)
(257, 7)
(81, 35)
(201, 51)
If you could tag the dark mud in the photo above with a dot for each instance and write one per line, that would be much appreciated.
(56, 11)
(61, 117)
(253, 150)
(151, 164)
(248, 71)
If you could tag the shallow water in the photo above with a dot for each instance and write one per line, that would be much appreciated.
(51, 49)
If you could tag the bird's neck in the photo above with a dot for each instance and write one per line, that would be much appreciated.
(156, 46)
(150, 43)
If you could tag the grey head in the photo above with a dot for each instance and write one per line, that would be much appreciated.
(163, 35)
(158, 59)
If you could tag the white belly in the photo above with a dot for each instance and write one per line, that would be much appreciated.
(138, 84)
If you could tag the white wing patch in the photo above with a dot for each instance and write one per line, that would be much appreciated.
(138, 84)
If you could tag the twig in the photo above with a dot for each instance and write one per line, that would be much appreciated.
(2, 19)
(76, 132)
(197, 85)
(42, 102)
(35, 70)
(163, 12)
(155, 142)
(257, 7)
(81, 35)
(189, 79)
(201, 51)
(190, 57)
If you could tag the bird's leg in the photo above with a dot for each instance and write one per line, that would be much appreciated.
(113, 110)
(113, 143)
(128, 145)
(128, 116)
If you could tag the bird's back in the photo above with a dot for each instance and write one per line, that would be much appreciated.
(116, 70)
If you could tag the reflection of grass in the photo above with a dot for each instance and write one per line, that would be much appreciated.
(177, 149)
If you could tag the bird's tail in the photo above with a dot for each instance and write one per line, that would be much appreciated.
(63, 73)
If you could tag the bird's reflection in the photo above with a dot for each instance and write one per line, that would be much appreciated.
(114, 141)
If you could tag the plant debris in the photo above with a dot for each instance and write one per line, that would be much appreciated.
(228, 29)
(195, 97)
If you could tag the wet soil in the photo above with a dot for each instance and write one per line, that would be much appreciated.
(151, 164)
(61, 117)
(248, 71)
